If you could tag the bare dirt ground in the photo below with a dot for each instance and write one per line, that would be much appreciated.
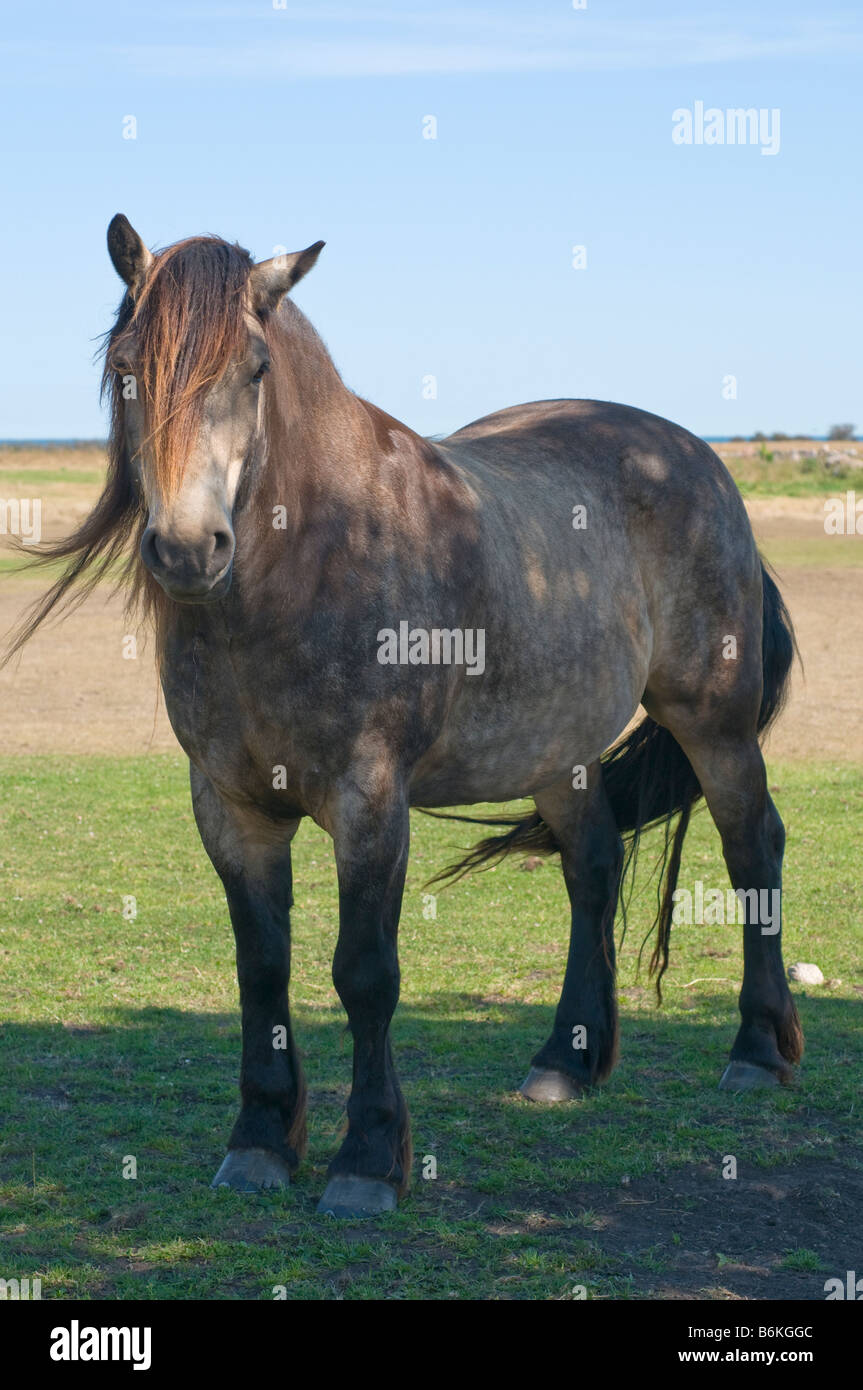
(688, 1217)
(73, 690)
(824, 716)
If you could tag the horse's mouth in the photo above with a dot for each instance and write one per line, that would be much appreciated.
(200, 593)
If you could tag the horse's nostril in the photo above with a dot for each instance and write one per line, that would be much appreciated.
(150, 549)
(223, 544)
(162, 552)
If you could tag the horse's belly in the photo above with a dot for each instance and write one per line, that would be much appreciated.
(491, 750)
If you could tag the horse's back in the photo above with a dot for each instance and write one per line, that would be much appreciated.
(584, 431)
(667, 491)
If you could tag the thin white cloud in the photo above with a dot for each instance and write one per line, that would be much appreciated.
(336, 42)
(302, 57)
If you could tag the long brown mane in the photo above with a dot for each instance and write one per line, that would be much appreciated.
(186, 322)
(185, 326)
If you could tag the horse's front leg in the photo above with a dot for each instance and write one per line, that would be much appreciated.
(371, 834)
(269, 1137)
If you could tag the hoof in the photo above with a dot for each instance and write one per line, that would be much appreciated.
(252, 1170)
(349, 1196)
(548, 1086)
(746, 1076)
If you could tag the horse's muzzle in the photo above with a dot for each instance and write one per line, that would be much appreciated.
(196, 572)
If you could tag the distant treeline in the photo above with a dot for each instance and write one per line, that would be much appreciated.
(836, 432)
(53, 443)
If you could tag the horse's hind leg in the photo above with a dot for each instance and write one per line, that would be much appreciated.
(732, 775)
(269, 1137)
(582, 1048)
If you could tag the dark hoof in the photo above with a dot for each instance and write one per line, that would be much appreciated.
(252, 1170)
(746, 1076)
(548, 1086)
(357, 1197)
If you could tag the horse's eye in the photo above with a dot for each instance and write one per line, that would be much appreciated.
(259, 374)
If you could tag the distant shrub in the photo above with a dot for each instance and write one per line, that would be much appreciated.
(841, 432)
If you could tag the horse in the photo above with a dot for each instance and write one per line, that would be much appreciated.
(316, 574)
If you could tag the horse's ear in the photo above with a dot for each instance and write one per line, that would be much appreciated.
(129, 256)
(271, 280)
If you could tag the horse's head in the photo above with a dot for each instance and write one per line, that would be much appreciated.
(185, 363)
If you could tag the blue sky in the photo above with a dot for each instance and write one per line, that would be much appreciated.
(452, 257)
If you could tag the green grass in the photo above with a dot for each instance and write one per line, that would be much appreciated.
(803, 1260)
(21, 566)
(28, 477)
(121, 1038)
(776, 475)
(813, 552)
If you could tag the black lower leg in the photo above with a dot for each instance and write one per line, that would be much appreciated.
(583, 1041)
(770, 1034)
(254, 864)
(272, 1089)
(372, 864)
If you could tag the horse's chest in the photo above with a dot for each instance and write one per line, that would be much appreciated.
(250, 728)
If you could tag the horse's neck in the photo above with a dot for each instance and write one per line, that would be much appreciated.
(324, 443)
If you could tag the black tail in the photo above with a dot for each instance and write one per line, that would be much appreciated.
(649, 781)
(778, 649)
